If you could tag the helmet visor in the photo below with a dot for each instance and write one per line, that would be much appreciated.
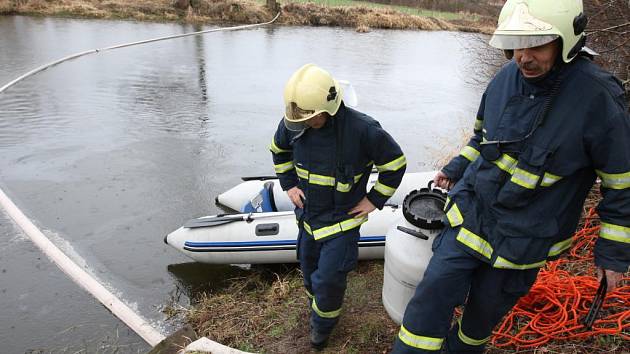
(502, 41)
(294, 126)
(294, 113)
(294, 117)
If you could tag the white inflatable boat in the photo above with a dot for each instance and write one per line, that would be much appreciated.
(240, 195)
(265, 237)
(266, 232)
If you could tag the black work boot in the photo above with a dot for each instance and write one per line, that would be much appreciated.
(319, 340)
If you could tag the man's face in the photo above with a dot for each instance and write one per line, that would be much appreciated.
(317, 121)
(537, 61)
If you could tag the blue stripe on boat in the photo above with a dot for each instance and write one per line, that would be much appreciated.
(240, 244)
(371, 238)
(192, 244)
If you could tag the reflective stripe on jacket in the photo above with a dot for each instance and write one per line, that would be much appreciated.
(334, 187)
(520, 210)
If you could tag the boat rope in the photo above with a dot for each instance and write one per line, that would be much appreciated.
(554, 309)
(139, 325)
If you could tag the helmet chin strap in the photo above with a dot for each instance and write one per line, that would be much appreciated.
(577, 47)
(579, 25)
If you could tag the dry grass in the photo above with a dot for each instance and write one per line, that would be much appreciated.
(443, 150)
(221, 11)
(270, 314)
(412, 9)
(252, 312)
(317, 15)
(241, 11)
(267, 312)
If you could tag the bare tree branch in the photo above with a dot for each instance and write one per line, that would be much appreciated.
(610, 28)
(615, 48)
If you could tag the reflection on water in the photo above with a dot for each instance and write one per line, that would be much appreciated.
(194, 279)
(115, 150)
(44, 312)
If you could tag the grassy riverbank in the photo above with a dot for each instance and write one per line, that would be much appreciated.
(344, 13)
(266, 312)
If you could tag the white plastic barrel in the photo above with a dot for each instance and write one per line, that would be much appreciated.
(406, 259)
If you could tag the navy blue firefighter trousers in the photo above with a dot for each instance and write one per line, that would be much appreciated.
(325, 265)
(452, 278)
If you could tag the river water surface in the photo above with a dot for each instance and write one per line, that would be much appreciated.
(110, 152)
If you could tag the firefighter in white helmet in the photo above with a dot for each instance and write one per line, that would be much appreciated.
(550, 122)
(323, 153)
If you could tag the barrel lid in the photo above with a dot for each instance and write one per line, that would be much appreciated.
(424, 208)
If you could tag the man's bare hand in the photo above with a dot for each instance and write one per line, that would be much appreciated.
(362, 208)
(296, 195)
(441, 180)
(612, 278)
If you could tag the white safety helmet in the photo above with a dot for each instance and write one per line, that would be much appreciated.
(309, 92)
(531, 23)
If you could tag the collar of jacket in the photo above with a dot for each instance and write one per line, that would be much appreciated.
(329, 121)
(341, 112)
(333, 120)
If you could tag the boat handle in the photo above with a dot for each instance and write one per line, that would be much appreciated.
(267, 229)
(413, 233)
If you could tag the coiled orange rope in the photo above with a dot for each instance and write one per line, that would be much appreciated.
(562, 296)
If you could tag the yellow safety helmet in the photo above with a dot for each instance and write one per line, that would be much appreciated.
(309, 92)
(531, 23)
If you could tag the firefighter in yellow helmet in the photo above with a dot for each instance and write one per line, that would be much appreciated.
(323, 153)
(550, 122)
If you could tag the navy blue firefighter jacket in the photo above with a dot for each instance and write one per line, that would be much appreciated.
(332, 165)
(522, 209)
